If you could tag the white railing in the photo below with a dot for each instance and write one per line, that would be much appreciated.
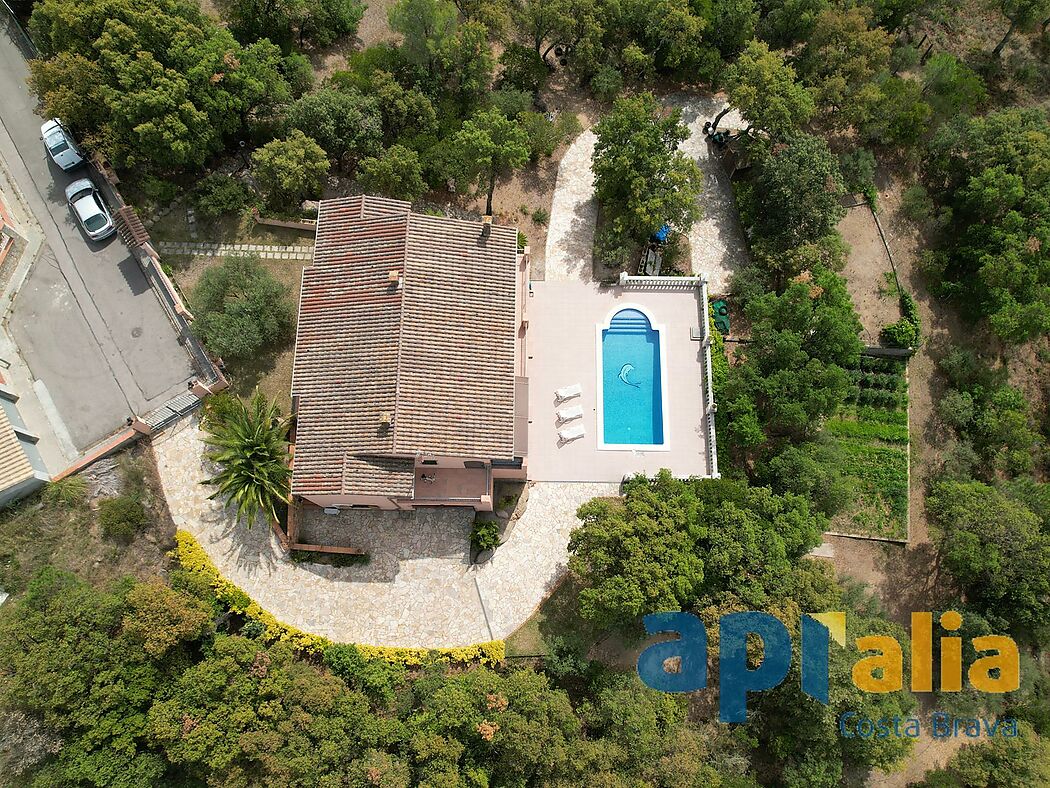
(708, 394)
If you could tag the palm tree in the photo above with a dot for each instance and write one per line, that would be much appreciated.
(251, 450)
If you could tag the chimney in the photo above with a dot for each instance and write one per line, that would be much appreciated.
(486, 226)
(394, 279)
(385, 418)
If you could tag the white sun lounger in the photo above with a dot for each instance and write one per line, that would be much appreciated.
(571, 433)
(568, 392)
(570, 413)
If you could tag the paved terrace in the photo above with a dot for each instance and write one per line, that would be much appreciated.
(562, 325)
(418, 590)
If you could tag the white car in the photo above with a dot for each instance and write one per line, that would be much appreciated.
(89, 209)
(60, 145)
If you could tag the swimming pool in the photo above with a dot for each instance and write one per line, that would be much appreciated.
(630, 382)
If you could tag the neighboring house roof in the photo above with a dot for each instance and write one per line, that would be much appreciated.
(436, 354)
(15, 467)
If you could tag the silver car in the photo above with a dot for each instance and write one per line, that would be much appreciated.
(89, 209)
(60, 145)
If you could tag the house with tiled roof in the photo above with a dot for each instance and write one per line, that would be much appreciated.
(409, 382)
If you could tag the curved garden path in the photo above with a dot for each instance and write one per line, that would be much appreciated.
(716, 240)
(426, 595)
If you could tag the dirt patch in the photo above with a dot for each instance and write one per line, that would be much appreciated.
(868, 273)
(64, 532)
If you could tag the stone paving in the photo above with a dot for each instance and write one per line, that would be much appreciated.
(419, 588)
(574, 211)
(265, 251)
(716, 240)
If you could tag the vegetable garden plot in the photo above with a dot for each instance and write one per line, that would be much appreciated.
(871, 433)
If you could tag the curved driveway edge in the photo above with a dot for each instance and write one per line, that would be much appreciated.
(716, 240)
(435, 602)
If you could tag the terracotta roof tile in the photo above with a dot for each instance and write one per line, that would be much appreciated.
(436, 354)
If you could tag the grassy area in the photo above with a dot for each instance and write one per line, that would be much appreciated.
(271, 372)
(60, 527)
(558, 616)
(872, 442)
(231, 229)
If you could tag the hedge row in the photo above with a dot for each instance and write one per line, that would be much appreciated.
(192, 558)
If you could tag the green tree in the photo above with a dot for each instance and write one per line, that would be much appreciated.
(641, 179)
(229, 715)
(1016, 761)
(283, 21)
(763, 87)
(241, 310)
(796, 196)
(841, 62)
(951, 87)
(67, 660)
(160, 618)
(996, 549)
(172, 87)
(732, 26)
(290, 170)
(672, 544)
(490, 145)
(900, 116)
(989, 172)
(449, 58)
(1024, 15)
(799, 736)
(345, 123)
(395, 172)
(251, 450)
(406, 112)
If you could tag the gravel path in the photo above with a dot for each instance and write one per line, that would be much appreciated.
(716, 240)
(417, 591)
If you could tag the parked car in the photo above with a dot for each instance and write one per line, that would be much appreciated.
(89, 209)
(60, 145)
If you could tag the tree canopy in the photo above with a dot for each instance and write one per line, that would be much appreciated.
(163, 86)
(992, 173)
(763, 87)
(640, 177)
(673, 544)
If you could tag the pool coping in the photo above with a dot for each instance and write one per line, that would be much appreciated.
(599, 366)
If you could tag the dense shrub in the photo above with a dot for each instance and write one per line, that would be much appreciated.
(906, 332)
(485, 534)
(121, 517)
(220, 195)
(241, 310)
(523, 69)
(607, 83)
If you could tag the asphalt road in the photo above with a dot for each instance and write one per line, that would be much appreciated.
(85, 320)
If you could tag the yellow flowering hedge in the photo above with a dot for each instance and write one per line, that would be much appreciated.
(193, 559)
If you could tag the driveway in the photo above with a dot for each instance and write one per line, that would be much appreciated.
(85, 321)
(419, 588)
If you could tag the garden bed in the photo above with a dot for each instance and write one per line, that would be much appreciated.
(872, 438)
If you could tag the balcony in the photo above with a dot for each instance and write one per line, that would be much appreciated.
(451, 486)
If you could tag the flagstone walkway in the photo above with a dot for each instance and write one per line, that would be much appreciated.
(417, 591)
(716, 241)
(265, 251)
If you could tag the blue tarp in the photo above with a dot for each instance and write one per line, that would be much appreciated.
(661, 235)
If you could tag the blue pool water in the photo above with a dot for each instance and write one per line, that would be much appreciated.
(632, 403)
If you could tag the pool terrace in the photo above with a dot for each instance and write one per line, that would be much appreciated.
(564, 348)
